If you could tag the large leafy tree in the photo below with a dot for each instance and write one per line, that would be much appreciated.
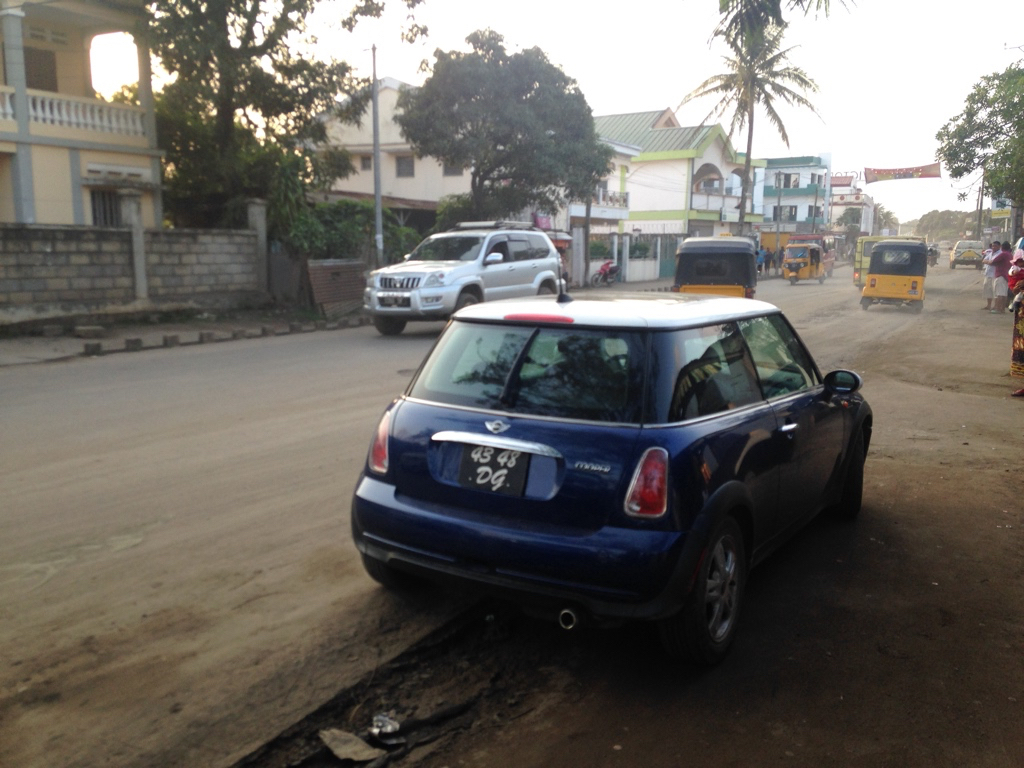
(988, 135)
(949, 225)
(240, 96)
(759, 75)
(517, 123)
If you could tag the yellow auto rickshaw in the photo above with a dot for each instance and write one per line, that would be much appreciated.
(805, 261)
(726, 266)
(896, 274)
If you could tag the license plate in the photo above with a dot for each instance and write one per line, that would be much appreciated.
(392, 300)
(912, 293)
(485, 468)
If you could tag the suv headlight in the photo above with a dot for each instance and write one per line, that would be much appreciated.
(433, 280)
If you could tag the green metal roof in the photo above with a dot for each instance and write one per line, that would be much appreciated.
(637, 128)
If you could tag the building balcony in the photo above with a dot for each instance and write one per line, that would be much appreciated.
(54, 114)
(727, 204)
(810, 191)
(604, 206)
(605, 199)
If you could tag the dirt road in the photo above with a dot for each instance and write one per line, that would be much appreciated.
(178, 587)
(177, 581)
(893, 641)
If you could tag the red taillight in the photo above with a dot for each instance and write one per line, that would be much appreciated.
(872, 282)
(913, 285)
(856, 275)
(378, 459)
(749, 292)
(648, 491)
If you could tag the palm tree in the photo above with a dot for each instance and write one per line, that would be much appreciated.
(742, 16)
(758, 75)
(884, 218)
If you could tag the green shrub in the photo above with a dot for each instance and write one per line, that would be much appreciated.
(346, 230)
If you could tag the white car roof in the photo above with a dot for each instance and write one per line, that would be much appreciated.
(619, 309)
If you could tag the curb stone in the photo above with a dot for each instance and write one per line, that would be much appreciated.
(52, 346)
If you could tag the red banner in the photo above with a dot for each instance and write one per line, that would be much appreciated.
(888, 174)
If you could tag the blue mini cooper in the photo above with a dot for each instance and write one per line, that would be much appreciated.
(609, 458)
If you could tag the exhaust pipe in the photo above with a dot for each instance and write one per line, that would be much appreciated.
(567, 618)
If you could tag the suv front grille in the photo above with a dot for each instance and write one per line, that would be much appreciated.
(399, 283)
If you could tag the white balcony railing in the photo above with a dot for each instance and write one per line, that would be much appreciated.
(6, 104)
(608, 199)
(86, 114)
(71, 112)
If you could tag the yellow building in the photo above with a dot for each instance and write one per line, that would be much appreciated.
(65, 155)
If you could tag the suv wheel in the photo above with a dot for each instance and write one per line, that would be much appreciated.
(546, 289)
(389, 326)
(704, 629)
(465, 299)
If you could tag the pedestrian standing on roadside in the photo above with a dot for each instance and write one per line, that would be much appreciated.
(1001, 261)
(769, 258)
(988, 285)
(760, 260)
(1016, 287)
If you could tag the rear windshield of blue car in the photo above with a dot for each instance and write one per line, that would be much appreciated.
(617, 375)
(595, 375)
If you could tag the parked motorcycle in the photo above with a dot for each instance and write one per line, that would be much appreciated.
(606, 274)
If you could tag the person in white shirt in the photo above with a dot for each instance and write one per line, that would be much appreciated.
(988, 287)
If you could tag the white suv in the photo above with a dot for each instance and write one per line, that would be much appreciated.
(474, 262)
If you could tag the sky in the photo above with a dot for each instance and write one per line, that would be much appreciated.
(890, 73)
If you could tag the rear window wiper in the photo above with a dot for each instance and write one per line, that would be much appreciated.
(510, 390)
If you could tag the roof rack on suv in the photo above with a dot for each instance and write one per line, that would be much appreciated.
(492, 225)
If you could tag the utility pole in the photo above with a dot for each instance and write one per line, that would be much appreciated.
(814, 212)
(378, 223)
(981, 197)
(778, 213)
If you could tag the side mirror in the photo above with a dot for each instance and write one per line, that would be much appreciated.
(493, 258)
(406, 257)
(842, 382)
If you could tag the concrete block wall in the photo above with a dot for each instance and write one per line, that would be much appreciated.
(191, 263)
(50, 272)
(64, 266)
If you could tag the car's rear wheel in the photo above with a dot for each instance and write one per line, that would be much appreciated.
(389, 326)
(792, 280)
(385, 575)
(853, 484)
(703, 630)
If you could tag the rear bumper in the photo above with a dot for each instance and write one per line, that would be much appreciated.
(610, 573)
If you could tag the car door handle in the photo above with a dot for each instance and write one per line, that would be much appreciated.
(788, 427)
